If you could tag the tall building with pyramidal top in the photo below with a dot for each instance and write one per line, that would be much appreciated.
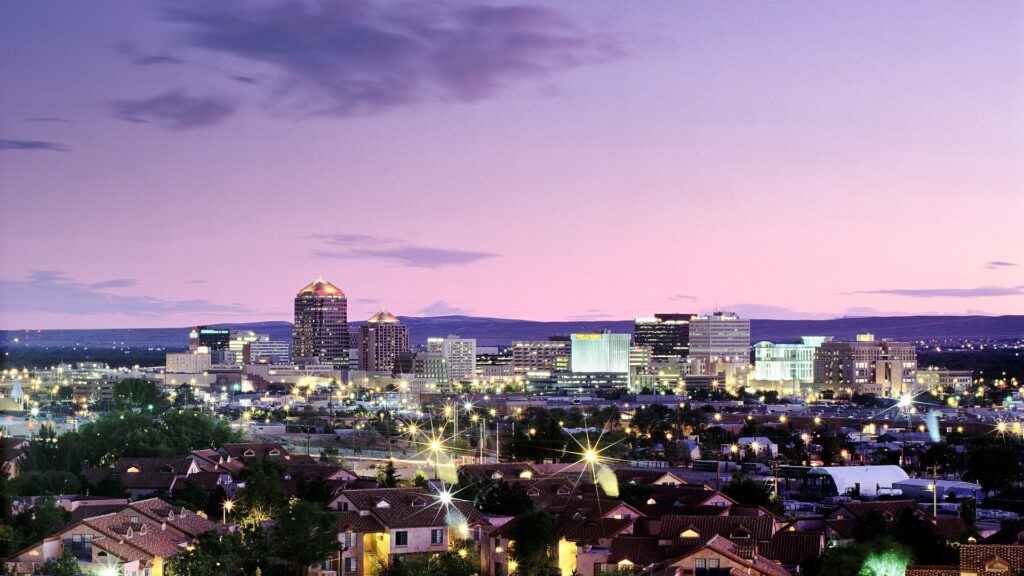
(320, 333)
(382, 339)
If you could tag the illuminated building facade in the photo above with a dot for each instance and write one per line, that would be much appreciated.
(880, 367)
(933, 377)
(550, 355)
(266, 351)
(211, 338)
(720, 337)
(667, 335)
(381, 340)
(195, 362)
(431, 365)
(641, 372)
(602, 352)
(320, 333)
(459, 355)
(790, 362)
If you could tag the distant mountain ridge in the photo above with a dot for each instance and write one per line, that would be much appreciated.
(501, 331)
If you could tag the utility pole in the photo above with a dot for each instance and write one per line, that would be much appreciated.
(775, 479)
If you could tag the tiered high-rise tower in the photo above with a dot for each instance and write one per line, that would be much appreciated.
(320, 333)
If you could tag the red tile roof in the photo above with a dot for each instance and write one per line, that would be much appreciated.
(758, 528)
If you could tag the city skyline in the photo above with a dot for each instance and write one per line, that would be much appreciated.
(193, 164)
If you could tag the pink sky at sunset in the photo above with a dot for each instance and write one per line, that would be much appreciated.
(166, 164)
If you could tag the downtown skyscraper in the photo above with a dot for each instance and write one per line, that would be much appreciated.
(667, 335)
(381, 340)
(320, 333)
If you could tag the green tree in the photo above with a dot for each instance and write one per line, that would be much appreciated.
(460, 561)
(387, 477)
(534, 537)
(39, 521)
(190, 430)
(747, 491)
(185, 397)
(48, 483)
(420, 480)
(330, 455)
(64, 565)
(993, 466)
(6, 514)
(504, 499)
(139, 394)
(214, 554)
(263, 493)
(192, 495)
(305, 536)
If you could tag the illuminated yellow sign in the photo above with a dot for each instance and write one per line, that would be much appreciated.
(587, 336)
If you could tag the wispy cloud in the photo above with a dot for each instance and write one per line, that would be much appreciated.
(115, 283)
(768, 311)
(441, 308)
(175, 110)
(979, 292)
(53, 291)
(47, 119)
(245, 79)
(366, 247)
(997, 264)
(23, 145)
(591, 314)
(156, 59)
(678, 297)
(356, 58)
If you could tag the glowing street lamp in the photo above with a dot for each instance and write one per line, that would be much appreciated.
(228, 506)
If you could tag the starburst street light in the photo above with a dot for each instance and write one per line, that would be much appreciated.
(444, 497)
(906, 401)
(228, 506)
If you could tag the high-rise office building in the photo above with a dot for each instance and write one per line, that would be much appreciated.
(550, 355)
(459, 355)
(211, 338)
(431, 364)
(868, 366)
(720, 337)
(667, 335)
(381, 340)
(240, 339)
(601, 352)
(320, 333)
(266, 351)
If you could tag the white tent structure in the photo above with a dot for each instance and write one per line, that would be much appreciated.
(865, 480)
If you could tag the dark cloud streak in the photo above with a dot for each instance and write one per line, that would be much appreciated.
(32, 145)
(366, 247)
(979, 292)
(54, 292)
(175, 110)
(156, 59)
(357, 58)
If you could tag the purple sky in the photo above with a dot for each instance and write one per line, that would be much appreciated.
(169, 164)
